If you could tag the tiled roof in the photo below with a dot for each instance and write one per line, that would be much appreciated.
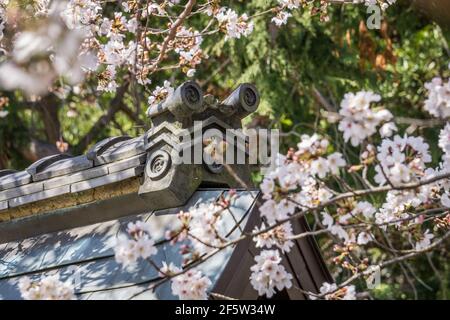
(109, 161)
(85, 254)
(120, 158)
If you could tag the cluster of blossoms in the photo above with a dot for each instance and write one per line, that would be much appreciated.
(137, 244)
(330, 292)
(361, 210)
(159, 94)
(292, 186)
(285, 7)
(359, 120)
(300, 183)
(190, 285)
(438, 101)
(4, 102)
(296, 176)
(402, 160)
(283, 12)
(49, 288)
(268, 273)
(444, 144)
(234, 25)
(104, 40)
(202, 226)
(277, 237)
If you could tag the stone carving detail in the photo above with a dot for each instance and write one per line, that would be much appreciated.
(167, 180)
(158, 165)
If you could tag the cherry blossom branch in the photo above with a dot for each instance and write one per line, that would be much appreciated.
(412, 254)
(173, 32)
(351, 194)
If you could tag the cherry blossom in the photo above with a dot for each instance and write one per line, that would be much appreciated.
(330, 291)
(204, 226)
(269, 274)
(365, 208)
(445, 200)
(168, 269)
(281, 18)
(402, 159)
(319, 167)
(363, 238)
(444, 139)
(159, 94)
(137, 244)
(275, 237)
(388, 129)
(335, 161)
(235, 26)
(40, 55)
(191, 285)
(290, 4)
(335, 229)
(438, 101)
(359, 120)
(48, 288)
(425, 241)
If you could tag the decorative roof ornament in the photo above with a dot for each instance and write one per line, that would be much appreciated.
(175, 145)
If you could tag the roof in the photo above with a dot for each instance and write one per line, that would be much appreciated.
(86, 254)
(109, 161)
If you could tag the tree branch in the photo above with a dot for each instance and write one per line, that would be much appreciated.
(102, 122)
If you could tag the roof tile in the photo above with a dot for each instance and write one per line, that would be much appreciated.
(101, 181)
(121, 150)
(14, 180)
(3, 205)
(76, 177)
(63, 167)
(21, 191)
(46, 194)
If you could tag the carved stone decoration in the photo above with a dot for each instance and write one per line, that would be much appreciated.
(158, 165)
(168, 181)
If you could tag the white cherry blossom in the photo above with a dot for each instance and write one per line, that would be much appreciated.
(48, 288)
(359, 120)
(269, 274)
(191, 285)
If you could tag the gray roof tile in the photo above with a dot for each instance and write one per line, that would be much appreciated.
(104, 180)
(63, 167)
(6, 172)
(76, 177)
(43, 163)
(104, 145)
(14, 180)
(21, 191)
(121, 150)
(127, 163)
(3, 205)
(42, 195)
